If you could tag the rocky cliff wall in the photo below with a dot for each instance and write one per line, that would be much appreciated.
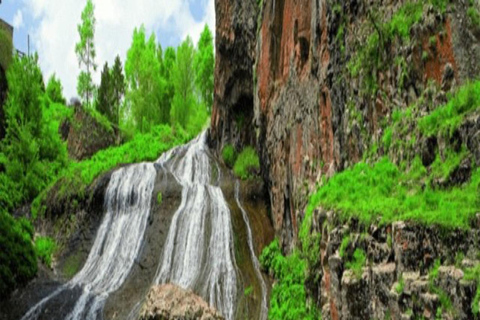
(326, 78)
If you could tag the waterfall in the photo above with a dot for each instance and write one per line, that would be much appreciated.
(198, 253)
(256, 263)
(116, 246)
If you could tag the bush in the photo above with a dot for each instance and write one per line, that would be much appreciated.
(18, 263)
(247, 164)
(288, 300)
(229, 155)
(45, 247)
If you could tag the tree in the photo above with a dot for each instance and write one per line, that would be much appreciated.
(105, 94)
(204, 64)
(85, 50)
(183, 80)
(55, 90)
(145, 86)
(118, 88)
(169, 62)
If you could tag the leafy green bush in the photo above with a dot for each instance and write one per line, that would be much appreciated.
(45, 247)
(288, 298)
(247, 164)
(18, 263)
(54, 90)
(383, 190)
(447, 118)
(229, 155)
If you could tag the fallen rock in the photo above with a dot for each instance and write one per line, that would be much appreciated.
(168, 302)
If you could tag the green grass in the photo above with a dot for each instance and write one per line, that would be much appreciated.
(72, 265)
(77, 176)
(45, 247)
(288, 300)
(229, 155)
(473, 274)
(247, 164)
(344, 245)
(382, 190)
(473, 13)
(248, 291)
(357, 263)
(447, 118)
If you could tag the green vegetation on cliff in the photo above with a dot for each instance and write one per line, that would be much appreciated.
(247, 164)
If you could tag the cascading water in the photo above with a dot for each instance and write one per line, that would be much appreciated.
(116, 246)
(256, 263)
(198, 253)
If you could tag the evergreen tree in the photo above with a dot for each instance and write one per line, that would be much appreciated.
(85, 50)
(204, 65)
(118, 89)
(105, 94)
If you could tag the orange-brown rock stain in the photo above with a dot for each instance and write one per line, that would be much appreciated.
(441, 54)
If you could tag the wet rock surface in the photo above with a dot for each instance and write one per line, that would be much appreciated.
(170, 302)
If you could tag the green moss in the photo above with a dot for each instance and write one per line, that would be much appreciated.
(447, 118)
(357, 263)
(229, 155)
(159, 198)
(400, 285)
(72, 265)
(6, 49)
(344, 245)
(473, 13)
(248, 291)
(45, 247)
(247, 164)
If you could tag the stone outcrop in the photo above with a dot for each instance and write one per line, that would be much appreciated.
(398, 280)
(85, 135)
(232, 113)
(170, 302)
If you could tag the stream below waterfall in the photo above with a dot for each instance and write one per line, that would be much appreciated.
(204, 235)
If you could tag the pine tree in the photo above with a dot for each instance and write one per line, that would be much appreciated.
(85, 50)
(105, 94)
(118, 88)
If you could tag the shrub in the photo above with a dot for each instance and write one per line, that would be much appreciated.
(18, 263)
(288, 300)
(229, 155)
(247, 164)
(45, 247)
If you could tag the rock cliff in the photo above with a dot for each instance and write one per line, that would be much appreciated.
(328, 81)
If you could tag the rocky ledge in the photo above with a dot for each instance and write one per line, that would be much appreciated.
(166, 302)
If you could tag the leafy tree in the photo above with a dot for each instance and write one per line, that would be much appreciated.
(55, 90)
(183, 80)
(169, 61)
(204, 64)
(105, 94)
(118, 89)
(85, 50)
(142, 71)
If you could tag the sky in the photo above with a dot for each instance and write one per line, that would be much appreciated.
(52, 26)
